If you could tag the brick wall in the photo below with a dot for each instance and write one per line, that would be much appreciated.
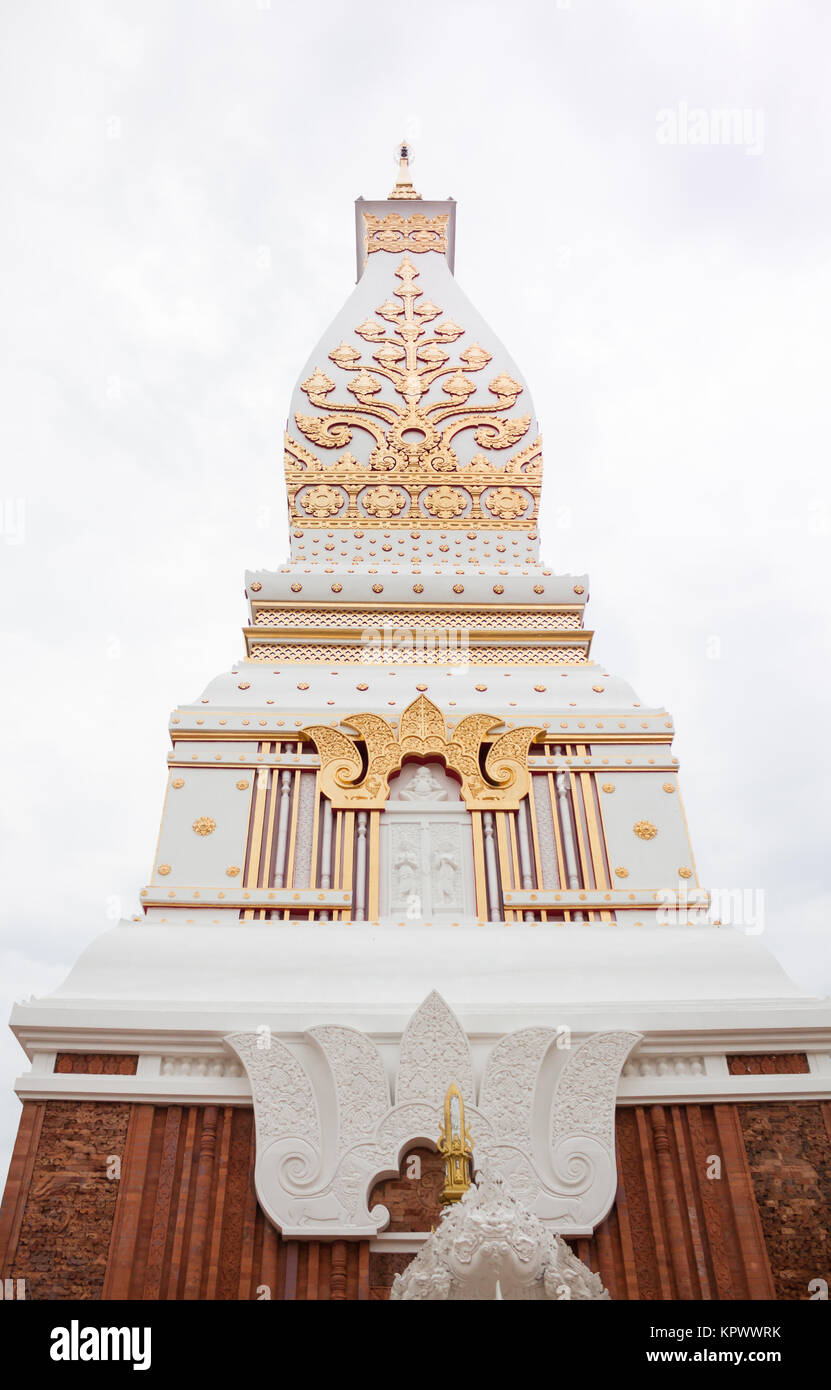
(183, 1221)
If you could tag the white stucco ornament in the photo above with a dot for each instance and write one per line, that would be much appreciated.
(489, 1246)
(327, 1132)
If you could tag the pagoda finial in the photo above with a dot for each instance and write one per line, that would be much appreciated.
(403, 184)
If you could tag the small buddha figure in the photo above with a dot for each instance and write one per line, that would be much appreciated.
(423, 787)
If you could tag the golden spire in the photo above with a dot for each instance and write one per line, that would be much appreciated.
(455, 1146)
(403, 184)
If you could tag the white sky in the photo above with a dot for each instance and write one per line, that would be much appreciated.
(179, 181)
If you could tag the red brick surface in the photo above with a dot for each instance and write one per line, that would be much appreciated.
(184, 1222)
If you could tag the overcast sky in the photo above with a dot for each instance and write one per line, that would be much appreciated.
(179, 178)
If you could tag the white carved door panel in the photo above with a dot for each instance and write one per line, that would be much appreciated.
(426, 849)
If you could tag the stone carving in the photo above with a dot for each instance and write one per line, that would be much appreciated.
(664, 1066)
(434, 1052)
(422, 731)
(488, 1246)
(423, 787)
(200, 1066)
(326, 1132)
(305, 831)
(405, 895)
(446, 868)
(545, 832)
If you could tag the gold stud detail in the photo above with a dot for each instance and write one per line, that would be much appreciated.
(256, 586)
(178, 782)
(204, 825)
(599, 689)
(579, 589)
(645, 830)
(458, 588)
(232, 870)
(685, 872)
(377, 588)
(302, 685)
(621, 872)
(499, 588)
(540, 689)
(164, 870)
(539, 588)
(244, 685)
(608, 787)
(668, 787)
(363, 686)
(418, 588)
(242, 786)
(481, 687)
(336, 588)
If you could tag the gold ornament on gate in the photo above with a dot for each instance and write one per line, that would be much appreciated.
(455, 1146)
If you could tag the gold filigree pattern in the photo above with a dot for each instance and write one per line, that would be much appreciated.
(204, 825)
(645, 830)
(414, 440)
(349, 782)
(395, 232)
(372, 653)
(458, 618)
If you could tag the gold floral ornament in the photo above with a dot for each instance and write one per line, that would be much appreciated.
(645, 830)
(383, 502)
(321, 501)
(493, 773)
(621, 872)
(445, 502)
(417, 233)
(409, 348)
(204, 825)
(232, 870)
(164, 870)
(506, 503)
(685, 872)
